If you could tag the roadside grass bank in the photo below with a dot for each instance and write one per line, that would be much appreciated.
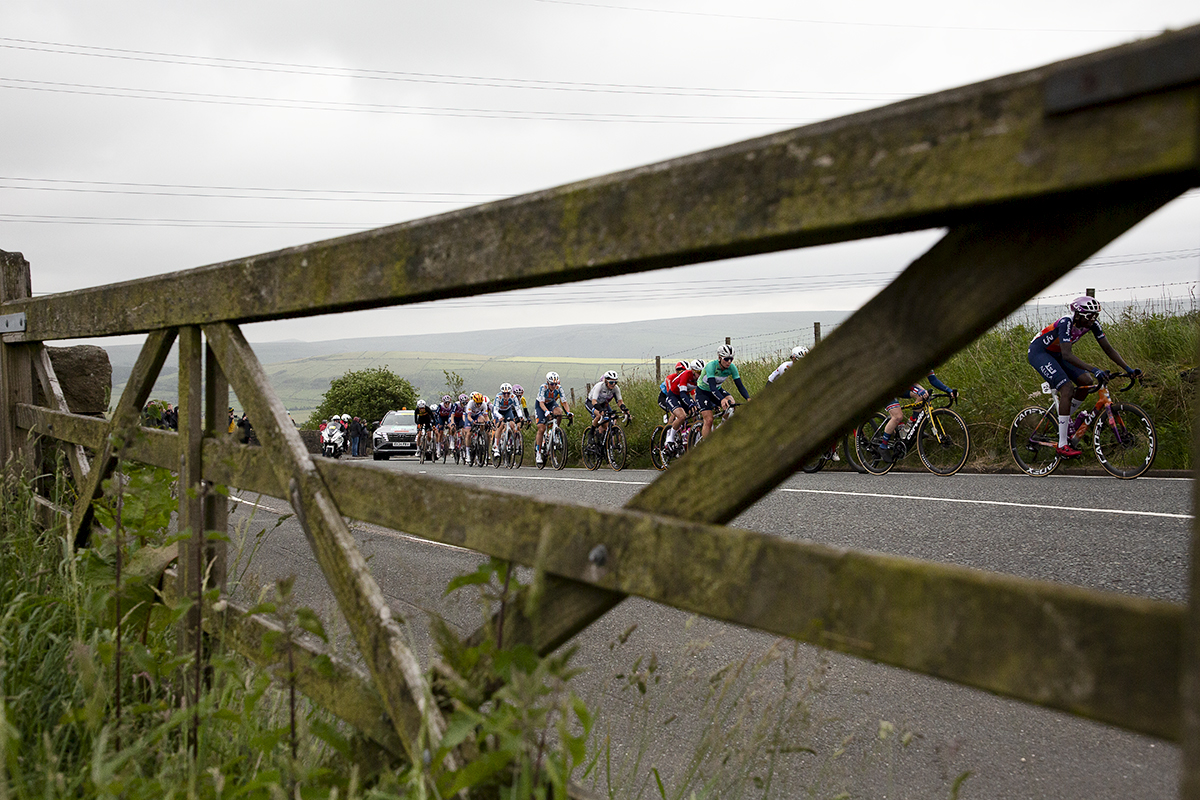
(995, 381)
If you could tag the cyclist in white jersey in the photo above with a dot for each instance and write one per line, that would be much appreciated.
(798, 353)
(601, 395)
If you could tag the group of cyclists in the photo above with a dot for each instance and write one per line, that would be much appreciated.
(453, 424)
(700, 386)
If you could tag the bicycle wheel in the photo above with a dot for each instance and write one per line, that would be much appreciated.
(615, 448)
(943, 442)
(421, 452)
(657, 440)
(443, 450)
(558, 449)
(545, 451)
(589, 449)
(518, 451)
(851, 455)
(694, 437)
(867, 449)
(1032, 439)
(498, 453)
(817, 462)
(1125, 441)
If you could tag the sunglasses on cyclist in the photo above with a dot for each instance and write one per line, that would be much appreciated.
(727, 360)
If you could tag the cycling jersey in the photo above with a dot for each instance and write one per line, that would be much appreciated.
(714, 375)
(549, 395)
(778, 373)
(503, 404)
(680, 383)
(524, 409)
(601, 393)
(1063, 330)
(477, 409)
(424, 416)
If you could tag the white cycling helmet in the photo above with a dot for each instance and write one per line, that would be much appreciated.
(551, 377)
(505, 388)
(345, 417)
(799, 352)
(724, 351)
(486, 399)
(696, 366)
(420, 404)
(611, 375)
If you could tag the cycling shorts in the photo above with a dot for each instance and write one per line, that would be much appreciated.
(669, 401)
(601, 407)
(509, 415)
(710, 401)
(1053, 369)
(543, 418)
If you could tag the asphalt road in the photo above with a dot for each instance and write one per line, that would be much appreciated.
(850, 725)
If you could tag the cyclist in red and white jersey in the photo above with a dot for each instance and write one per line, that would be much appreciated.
(1051, 355)
(675, 398)
(896, 413)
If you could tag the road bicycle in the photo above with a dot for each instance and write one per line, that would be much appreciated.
(829, 454)
(554, 444)
(611, 443)
(937, 433)
(426, 445)
(511, 452)
(1123, 435)
(477, 445)
(661, 456)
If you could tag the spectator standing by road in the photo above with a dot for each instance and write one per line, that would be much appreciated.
(356, 433)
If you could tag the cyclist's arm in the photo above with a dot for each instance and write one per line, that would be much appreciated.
(741, 387)
(937, 384)
(1112, 353)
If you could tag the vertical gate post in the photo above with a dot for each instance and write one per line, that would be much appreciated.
(16, 365)
(191, 507)
(816, 333)
(658, 369)
(216, 506)
(1189, 690)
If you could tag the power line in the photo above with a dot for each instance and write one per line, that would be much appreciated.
(436, 78)
(230, 193)
(854, 23)
(207, 98)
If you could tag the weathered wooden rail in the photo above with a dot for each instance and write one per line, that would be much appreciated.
(1029, 173)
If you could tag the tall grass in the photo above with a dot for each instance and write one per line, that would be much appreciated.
(996, 381)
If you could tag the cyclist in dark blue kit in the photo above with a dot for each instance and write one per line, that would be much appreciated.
(1051, 355)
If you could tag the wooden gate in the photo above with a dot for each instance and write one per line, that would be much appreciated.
(1029, 173)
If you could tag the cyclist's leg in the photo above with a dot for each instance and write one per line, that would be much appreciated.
(708, 406)
(1063, 380)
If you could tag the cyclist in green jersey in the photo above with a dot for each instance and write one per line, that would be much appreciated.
(710, 397)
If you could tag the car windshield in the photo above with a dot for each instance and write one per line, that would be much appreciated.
(399, 418)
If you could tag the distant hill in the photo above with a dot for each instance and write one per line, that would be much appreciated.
(301, 371)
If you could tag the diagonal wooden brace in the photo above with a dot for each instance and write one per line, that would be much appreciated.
(969, 281)
(396, 671)
(53, 393)
(125, 419)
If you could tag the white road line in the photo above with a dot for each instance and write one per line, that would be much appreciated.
(993, 503)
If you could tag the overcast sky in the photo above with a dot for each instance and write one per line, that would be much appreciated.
(145, 137)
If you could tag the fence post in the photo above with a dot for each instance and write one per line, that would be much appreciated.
(1090, 292)
(190, 636)
(216, 506)
(572, 397)
(16, 364)
(658, 369)
(727, 340)
(816, 333)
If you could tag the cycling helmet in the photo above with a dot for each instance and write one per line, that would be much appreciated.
(505, 388)
(462, 398)
(680, 366)
(477, 397)
(1085, 306)
(552, 377)
(486, 399)
(696, 366)
(799, 352)
(611, 375)
(420, 404)
(724, 351)
(517, 390)
(345, 417)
